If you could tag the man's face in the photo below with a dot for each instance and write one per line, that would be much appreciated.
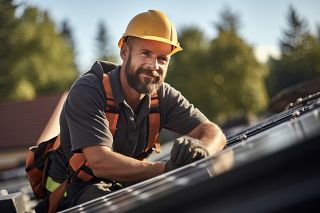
(147, 64)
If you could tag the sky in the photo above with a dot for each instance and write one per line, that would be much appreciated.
(262, 22)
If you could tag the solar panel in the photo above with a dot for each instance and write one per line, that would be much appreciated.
(274, 144)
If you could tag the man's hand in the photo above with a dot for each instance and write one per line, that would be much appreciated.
(185, 150)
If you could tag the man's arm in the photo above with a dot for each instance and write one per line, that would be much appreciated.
(210, 135)
(111, 165)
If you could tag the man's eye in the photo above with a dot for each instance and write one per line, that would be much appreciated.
(163, 59)
(145, 53)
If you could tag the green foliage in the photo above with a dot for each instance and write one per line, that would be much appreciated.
(8, 24)
(36, 59)
(221, 77)
(300, 56)
(186, 67)
(237, 78)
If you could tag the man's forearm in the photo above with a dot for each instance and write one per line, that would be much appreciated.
(210, 135)
(111, 165)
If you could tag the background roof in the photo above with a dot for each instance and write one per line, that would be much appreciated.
(23, 122)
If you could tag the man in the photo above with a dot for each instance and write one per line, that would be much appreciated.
(145, 49)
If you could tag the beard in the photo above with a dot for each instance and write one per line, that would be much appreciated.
(146, 86)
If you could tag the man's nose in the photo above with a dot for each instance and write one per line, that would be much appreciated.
(154, 64)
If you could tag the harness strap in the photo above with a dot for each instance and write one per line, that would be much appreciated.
(112, 108)
(77, 161)
(154, 124)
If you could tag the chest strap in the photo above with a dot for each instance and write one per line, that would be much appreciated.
(154, 124)
(112, 112)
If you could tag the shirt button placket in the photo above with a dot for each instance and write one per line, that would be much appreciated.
(133, 136)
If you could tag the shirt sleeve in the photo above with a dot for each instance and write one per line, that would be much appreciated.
(85, 117)
(180, 115)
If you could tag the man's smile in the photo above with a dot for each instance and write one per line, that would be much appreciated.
(154, 74)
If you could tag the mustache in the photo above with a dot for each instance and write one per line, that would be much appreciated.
(149, 71)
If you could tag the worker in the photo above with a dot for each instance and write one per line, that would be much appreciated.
(116, 143)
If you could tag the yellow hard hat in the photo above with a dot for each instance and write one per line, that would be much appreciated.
(153, 25)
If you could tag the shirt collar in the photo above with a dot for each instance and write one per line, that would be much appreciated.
(117, 91)
(118, 95)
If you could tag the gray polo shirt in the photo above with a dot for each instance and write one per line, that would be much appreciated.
(83, 122)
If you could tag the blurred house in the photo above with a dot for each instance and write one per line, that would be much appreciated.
(26, 123)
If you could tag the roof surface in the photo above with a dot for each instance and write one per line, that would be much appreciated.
(23, 122)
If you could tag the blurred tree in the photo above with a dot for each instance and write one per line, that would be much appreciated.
(296, 34)
(237, 78)
(38, 61)
(300, 56)
(230, 21)
(186, 66)
(8, 26)
(318, 32)
(66, 32)
(223, 76)
(102, 41)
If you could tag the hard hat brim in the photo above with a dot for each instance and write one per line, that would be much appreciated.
(176, 48)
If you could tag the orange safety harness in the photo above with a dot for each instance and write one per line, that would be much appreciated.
(37, 158)
(78, 162)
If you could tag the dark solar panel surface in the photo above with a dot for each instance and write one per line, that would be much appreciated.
(265, 150)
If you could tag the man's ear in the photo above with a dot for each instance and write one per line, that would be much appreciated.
(124, 51)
